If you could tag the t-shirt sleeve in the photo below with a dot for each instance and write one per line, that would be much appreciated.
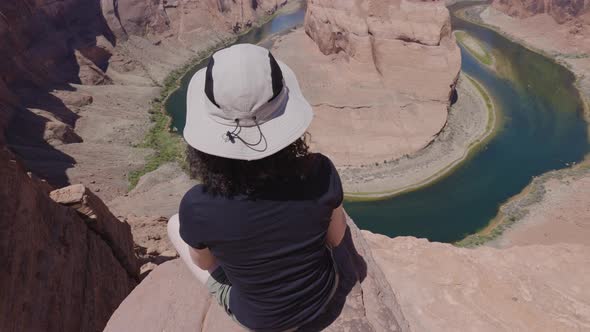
(334, 194)
(192, 230)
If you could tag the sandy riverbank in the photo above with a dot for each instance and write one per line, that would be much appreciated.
(472, 121)
(554, 207)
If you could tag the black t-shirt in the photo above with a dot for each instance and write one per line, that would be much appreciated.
(272, 247)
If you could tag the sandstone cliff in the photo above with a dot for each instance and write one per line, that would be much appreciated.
(383, 75)
(76, 80)
(362, 29)
(561, 11)
(62, 270)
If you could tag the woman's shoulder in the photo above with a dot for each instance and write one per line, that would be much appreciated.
(195, 195)
(325, 180)
(321, 165)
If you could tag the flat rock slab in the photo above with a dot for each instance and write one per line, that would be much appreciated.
(171, 299)
(444, 288)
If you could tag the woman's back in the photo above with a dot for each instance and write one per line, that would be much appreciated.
(271, 244)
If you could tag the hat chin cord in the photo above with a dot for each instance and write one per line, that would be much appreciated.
(235, 134)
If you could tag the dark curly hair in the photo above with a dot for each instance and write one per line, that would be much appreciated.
(231, 177)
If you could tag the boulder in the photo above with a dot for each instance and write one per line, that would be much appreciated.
(359, 27)
(56, 132)
(525, 288)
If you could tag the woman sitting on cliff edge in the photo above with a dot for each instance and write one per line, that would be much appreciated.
(265, 230)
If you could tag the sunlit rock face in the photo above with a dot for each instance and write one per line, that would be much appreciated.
(357, 27)
(383, 75)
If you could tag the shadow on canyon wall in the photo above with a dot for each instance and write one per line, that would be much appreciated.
(46, 44)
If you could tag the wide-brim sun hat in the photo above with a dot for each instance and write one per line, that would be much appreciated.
(245, 105)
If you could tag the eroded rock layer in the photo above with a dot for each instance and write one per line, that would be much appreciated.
(383, 74)
(66, 64)
(526, 288)
(58, 272)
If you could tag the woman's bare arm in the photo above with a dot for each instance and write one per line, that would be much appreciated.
(337, 227)
(203, 258)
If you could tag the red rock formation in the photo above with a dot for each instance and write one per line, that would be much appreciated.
(561, 10)
(39, 39)
(97, 216)
(58, 272)
(383, 76)
(358, 27)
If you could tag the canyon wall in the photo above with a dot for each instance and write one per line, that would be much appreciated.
(76, 81)
(384, 74)
(440, 287)
(561, 10)
(62, 270)
(366, 30)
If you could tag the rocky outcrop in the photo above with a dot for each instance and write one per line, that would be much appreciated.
(383, 75)
(173, 290)
(562, 11)
(63, 270)
(373, 31)
(96, 214)
(444, 288)
(361, 28)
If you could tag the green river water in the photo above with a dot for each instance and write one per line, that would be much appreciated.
(542, 129)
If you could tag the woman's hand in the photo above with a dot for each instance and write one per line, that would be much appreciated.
(203, 258)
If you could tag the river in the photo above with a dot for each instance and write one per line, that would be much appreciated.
(542, 129)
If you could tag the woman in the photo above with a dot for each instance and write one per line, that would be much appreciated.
(261, 228)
